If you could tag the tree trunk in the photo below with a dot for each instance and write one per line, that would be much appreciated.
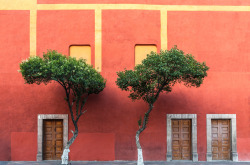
(65, 155)
(139, 150)
(138, 145)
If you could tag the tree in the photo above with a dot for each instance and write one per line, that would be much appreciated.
(157, 74)
(78, 79)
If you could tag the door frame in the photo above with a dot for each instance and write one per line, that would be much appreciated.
(233, 135)
(193, 118)
(40, 119)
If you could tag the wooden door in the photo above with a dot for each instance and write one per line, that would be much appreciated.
(221, 145)
(52, 139)
(181, 139)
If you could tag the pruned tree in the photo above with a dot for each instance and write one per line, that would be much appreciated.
(157, 74)
(78, 79)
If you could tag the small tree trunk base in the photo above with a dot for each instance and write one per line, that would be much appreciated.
(140, 157)
(65, 156)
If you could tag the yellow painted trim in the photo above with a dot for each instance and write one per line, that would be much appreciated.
(29, 4)
(98, 6)
(140, 7)
(17, 4)
(98, 40)
(164, 27)
(207, 8)
(33, 18)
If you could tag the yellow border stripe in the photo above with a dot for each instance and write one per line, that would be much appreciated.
(97, 6)
(29, 4)
(207, 8)
(98, 40)
(140, 7)
(33, 17)
(164, 36)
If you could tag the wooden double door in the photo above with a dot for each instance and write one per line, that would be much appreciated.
(181, 139)
(221, 141)
(52, 139)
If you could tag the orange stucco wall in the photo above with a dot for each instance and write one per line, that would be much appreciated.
(213, 37)
(23, 146)
(119, 40)
(57, 30)
(94, 147)
(107, 130)
(14, 46)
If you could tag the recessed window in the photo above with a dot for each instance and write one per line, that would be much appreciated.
(141, 52)
(81, 51)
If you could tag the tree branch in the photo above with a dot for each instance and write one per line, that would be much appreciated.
(160, 89)
(68, 101)
(59, 83)
(77, 106)
(81, 108)
(80, 115)
(144, 124)
(83, 102)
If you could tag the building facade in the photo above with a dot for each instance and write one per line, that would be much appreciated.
(208, 123)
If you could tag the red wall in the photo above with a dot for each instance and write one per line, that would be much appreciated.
(107, 130)
(14, 46)
(120, 35)
(93, 147)
(57, 30)
(23, 146)
(224, 45)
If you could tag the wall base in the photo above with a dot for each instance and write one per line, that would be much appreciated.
(39, 157)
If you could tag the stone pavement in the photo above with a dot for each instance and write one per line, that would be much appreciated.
(123, 163)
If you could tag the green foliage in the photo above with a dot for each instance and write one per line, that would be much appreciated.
(159, 72)
(71, 73)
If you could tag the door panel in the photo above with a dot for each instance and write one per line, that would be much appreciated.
(181, 139)
(52, 139)
(221, 146)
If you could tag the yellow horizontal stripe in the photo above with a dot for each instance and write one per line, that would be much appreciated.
(140, 7)
(30, 4)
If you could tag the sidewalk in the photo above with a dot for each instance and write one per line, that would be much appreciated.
(124, 163)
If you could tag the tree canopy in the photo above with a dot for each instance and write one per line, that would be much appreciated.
(69, 72)
(159, 72)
